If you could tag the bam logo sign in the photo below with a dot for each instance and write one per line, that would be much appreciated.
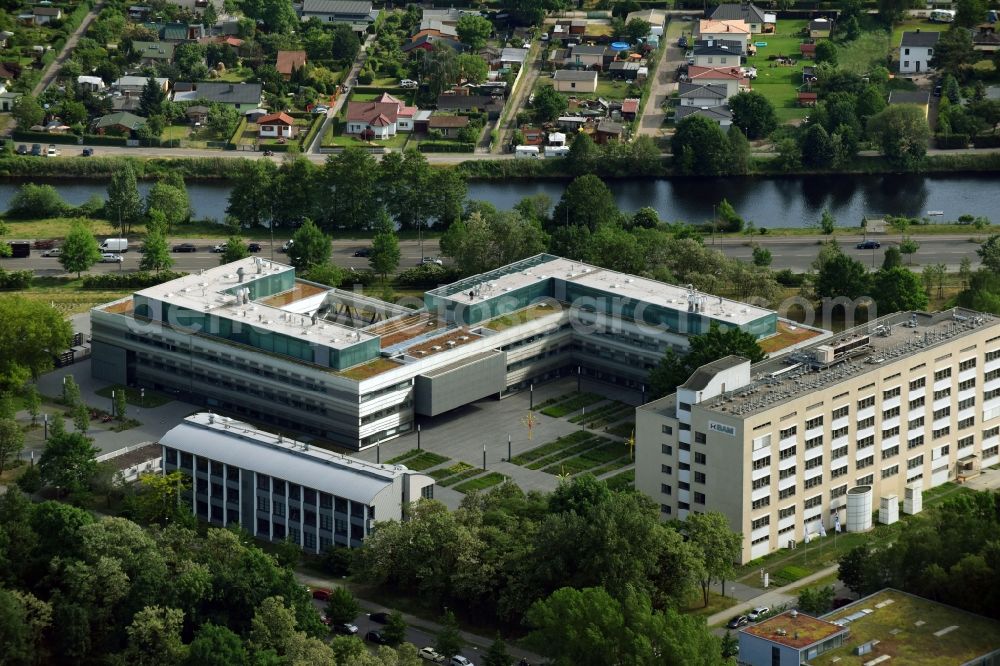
(723, 428)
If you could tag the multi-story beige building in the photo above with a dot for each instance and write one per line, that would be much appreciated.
(901, 404)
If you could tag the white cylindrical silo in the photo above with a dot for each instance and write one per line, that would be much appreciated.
(859, 509)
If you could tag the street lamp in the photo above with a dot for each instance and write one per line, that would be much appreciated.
(46, 421)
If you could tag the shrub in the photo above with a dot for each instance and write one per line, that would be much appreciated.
(139, 280)
(986, 141)
(427, 275)
(36, 201)
(951, 140)
(15, 279)
(787, 278)
(446, 147)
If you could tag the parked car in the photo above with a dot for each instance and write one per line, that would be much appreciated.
(381, 618)
(432, 655)
(459, 660)
(109, 258)
(738, 621)
(219, 248)
(36, 149)
(52, 151)
(363, 252)
(87, 152)
(937, 90)
(46, 244)
(321, 593)
(376, 637)
(185, 247)
(22, 149)
(54, 252)
(408, 83)
(682, 42)
(758, 613)
(431, 260)
(869, 245)
(253, 247)
(347, 629)
(319, 110)
(288, 244)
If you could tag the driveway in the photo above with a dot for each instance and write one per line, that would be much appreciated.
(663, 86)
(342, 99)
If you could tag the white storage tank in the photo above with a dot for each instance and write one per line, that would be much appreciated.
(888, 510)
(859, 509)
(913, 499)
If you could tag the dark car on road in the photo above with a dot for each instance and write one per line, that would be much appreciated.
(253, 247)
(363, 252)
(87, 152)
(738, 621)
(321, 594)
(381, 618)
(376, 637)
(682, 42)
(22, 149)
(36, 149)
(869, 245)
(185, 247)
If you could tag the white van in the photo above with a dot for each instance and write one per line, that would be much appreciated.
(526, 152)
(114, 245)
(556, 151)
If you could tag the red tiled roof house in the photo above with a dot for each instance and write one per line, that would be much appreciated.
(380, 119)
(276, 126)
(289, 61)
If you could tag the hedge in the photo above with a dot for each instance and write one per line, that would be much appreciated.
(446, 147)
(986, 141)
(951, 140)
(15, 279)
(70, 139)
(191, 168)
(313, 130)
(139, 280)
(234, 140)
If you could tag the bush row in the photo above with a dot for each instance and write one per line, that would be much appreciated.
(446, 147)
(15, 279)
(986, 141)
(139, 280)
(503, 169)
(194, 168)
(951, 140)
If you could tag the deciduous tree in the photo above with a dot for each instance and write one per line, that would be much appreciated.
(718, 545)
(473, 30)
(448, 641)
(68, 461)
(310, 247)
(79, 249)
(898, 289)
(548, 104)
(699, 147)
(385, 253)
(124, 206)
(586, 202)
(156, 253)
(29, 332)
(236, 249)
(11, 442)
(27, 112)
(753, 113)
(674, 370)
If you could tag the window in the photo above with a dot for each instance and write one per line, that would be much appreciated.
(941, 413)
(890, 471)
(890, 432)
(841, 412)
(813, 482)
(702, 459)
(666, 469)
(786, 512)
(699, 477)
(866, 402)
(666, 449)
(914, 463)
(890, 452)
(839, 452)
(814, 442)
(786, 493)
(666, 490)
(941, 432)
(572, 84)
(967, 364)
(942, 374)
(840, 471)
(919, 382)
(865, 442)
(915, 442)
(943, 451)
(665, 509)
(915, 423)
(699, 498)
(943, 393)
(683, 506)
(310, 540)
(786, 473)
(891, 393)
(279, 508)
(261, 503)
(866, 423)
(865, 462)
(762, 463)
(685, 447)
(967, 384)
(813, 502)
(865, 480)
(839, 491)
(667, 430)
(967, 423)
(813, 463)
(762, 482)
(699, 437)
(991, 432)
(890, 413)
(814, 423)
(839, 432)
(684, 407)
(684, 467)
(787, 453)
(993, 355)
(990, 452)
(918, 402)
(789, 432)
(763, 521)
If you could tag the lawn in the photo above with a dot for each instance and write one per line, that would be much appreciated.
(133, 396)
(781, 83)
(605, 452)
(867, 50)
(623, 481)
(481, 483)
(370, 369)
(551, 448)
(572, 405)
(445, 472)
(912, 25)
(68, 296)
(716, 603)
(335, 137)
(417, 460)
(522, 316)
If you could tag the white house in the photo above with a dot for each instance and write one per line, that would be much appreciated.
(276, 126)
(697, 94)
(716, 54)
(90, 83)
(916, 50)
(731, 78)
(380, 119)
(737, 30)
(717, 114)
(747, 12)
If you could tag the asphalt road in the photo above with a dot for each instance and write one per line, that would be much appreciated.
(795, 253)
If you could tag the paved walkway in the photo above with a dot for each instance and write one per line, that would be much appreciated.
(53, 70)
(770, 598)
(518, 101)
(342, 99)
(655, 114)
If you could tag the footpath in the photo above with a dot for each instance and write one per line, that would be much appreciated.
(770, 598)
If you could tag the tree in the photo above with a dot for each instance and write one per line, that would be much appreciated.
(30, 330)
(739, 151)
(156, 253)
(251, 199)
(154, 637)
(583, 155)
(345, 45)
(730, 645)
(989, 253)
(385, 253)
(753, 113)
(728, 217)
(472, 68)
(586, 202)
(171, 199)
(909, 247)
(891, 11)
(473, 31)
(817, 147)
(81, 417)
(826, 52)
(11, 442)
(32, 402)
(827, 223)
(36, 201)
(68, 461)
(699, 147)
(761, 256)
(898, 290)
(236, 249)
(438, 68)
(223, 119)
(326, 273)
(216, 646)
(79, 249)
(350, 179)
(310, 247)
(158, 497)
(121, 404)
(902, 133)
(954, 51)
(27, 112)
(394, 631)
(719, 546)
(124, 206)
(448, 641)
(964, 272)
(645, 218)
(893, 257)
(717, 343)
(950, 89)
(548, 104)
(816, 600)
(15, 643)
(341, 607)
(70, 392)
(970, 13)
(497, 655)
(839, 275)
(151, 98)
(636, 30)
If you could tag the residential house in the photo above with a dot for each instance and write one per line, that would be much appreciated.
(177, 31)
(809, 75)
(9, 71)
(533, 136)
(571, 123)
(919, 98)
(121, 123)
(820, 28)
(276, 126)
(630, 108)
(712, 54)
(5, 36)
(242, 96)
(607, 131)
(735, 30)
(573, 80)
(459, 103)
(131, 103)
(449, 126)
(656, 18)
(570, 28)
(624, 70)
(152, 53)
(807, 98)
(436, 28)
(509, 57)
(448, 16)
(380, 119)
(42, 15)
(426, 42)
(7, 100)
(747, 12)
(253, 115)
(985, 38)
(359, 14)
(557, 139)
(289, 61)
(90, 83)
(139, 12)
(808, 50)
(197, 114)
(585, 56)
(133, 85)
(556, 59)
(718, 114)
(699, 94)
(731, 78)
(916, 50)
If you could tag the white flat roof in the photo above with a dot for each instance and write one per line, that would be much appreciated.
(243, 445)
(206, 292)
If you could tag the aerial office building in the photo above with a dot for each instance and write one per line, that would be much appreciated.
(820, 437)
(251, 339)
(277, 488)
